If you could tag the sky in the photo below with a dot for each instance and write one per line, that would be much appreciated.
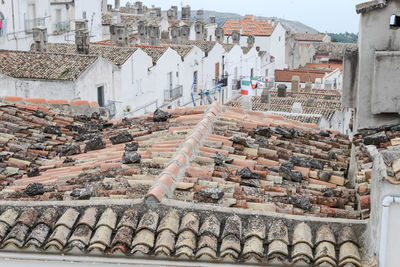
(322, 15)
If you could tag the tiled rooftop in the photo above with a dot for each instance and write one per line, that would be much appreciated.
(169, 233)
(128, 19)
(155, 52)
(249, 26)
(306, 75)
(323, 104)
(311, 37)
(201, 165)
(367, 142)
(30, 65)
(114, 54)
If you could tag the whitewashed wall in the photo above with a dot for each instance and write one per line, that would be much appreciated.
(213, 57)
(16, 37)
(191, 63)
(170, 61)
(233, 62)
(93, 16)
(136, 90)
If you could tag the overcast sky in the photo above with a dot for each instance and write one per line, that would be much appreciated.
(323, 15)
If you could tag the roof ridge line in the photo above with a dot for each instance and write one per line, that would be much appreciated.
(164, 185)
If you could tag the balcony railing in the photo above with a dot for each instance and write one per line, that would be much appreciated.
(32, 23)
(61, 27)
(172, 94)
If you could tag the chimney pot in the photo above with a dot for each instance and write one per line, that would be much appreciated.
(282, 90)
(40, 38)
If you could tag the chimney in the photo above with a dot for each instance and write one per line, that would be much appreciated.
(308, 87)
(213, 19)
(185, 33)
(115, 16)
(236, 37)
(251, 40)
(266, 96)
(295, 84)
(82, 41)
(81, 24)
(318, 83)
(176, 34)
(297, 108)
(158, 11)
(175, 9)
(154, 35)
(170, 14)
(143, 31)
(119, 34)
(199, 28)
(103, 6)
(186, 13)
(40, 38)
(282, 90)
(200, 15)
(117, 4)
(219, 34)
(82, 37)
(139, 7)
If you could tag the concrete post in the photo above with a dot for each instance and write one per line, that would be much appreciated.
(282, 90)
(308, 87)
(295, 84)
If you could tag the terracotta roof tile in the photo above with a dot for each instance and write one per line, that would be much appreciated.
(29, 65)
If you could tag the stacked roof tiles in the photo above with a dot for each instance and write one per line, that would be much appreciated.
(367, 143)
(172, 163)
(175, 234)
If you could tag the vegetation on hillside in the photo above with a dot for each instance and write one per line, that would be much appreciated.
(344, 37)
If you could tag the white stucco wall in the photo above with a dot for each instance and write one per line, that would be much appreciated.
(375, 35)
(233, 62)
(101, 73)
(136, 89)
(170, 61)
(36, 88)
(278, 47)
(93, 16)
(15, 12)
(191, 63)
(209, 62)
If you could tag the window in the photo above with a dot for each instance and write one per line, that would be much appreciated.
(394, 22)
(100, 96)
(251, 73)
(169, 77)
(279, 38)
(84, 15)
(266, 73)
(195, 78)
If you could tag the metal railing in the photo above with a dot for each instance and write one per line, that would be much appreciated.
(172, 94)
(61, 27)
(32, 23)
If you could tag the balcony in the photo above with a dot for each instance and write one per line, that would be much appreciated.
(61, 27)
(32, 23)
(172, 94)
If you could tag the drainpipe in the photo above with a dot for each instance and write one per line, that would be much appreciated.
(386, 203)
(13, 19)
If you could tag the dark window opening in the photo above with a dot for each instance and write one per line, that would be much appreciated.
(100, 96)
(395, 22)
